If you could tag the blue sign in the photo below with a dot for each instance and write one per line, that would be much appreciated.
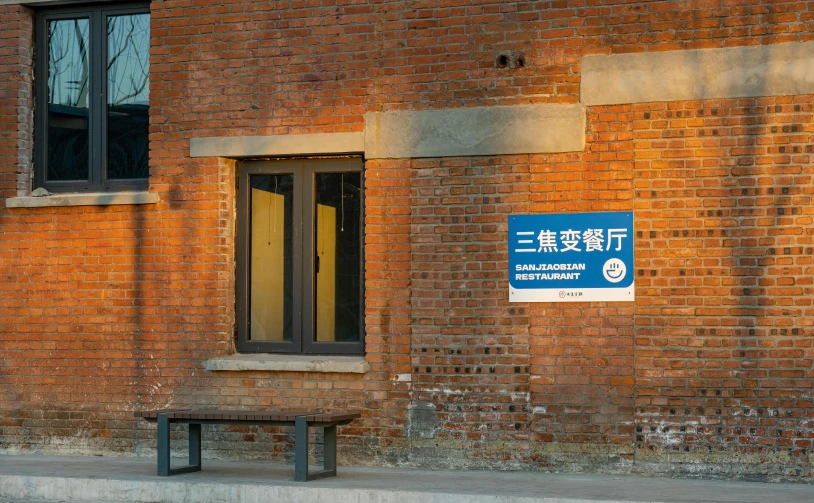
(571, 257)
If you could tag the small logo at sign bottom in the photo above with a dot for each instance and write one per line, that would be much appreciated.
(614, 270)
(564, 294)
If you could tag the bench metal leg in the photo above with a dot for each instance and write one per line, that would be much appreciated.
(330, 449)
(195, 445)
(301, 452)
(300, 449)
(163, 445)
(164, 469)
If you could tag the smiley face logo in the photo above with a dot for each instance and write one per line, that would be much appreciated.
(614, 270)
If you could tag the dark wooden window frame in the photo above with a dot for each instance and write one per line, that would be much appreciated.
(303, 219)
(97, 14)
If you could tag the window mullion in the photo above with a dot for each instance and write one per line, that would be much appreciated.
(307, 254)
(242, 257)
(41, 100)
(98, 73)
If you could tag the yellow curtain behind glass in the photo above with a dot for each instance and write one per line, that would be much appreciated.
(267, 286)
(326, 277)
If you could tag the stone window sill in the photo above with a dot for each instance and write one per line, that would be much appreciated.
(289, 363)
(89, 199)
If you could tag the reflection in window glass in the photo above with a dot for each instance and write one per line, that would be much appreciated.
(271, 299)
(128, 92)
(68, 91)
(338, 256)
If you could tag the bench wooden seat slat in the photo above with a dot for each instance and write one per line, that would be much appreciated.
(152, 414)
(242, 415)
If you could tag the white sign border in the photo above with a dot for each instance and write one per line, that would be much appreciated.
(573, 294)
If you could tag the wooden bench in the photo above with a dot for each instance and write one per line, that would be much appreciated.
(300, 420)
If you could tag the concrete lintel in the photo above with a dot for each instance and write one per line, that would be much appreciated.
(733, 72)
(89, 199)
(498, 130)
(290, 144)
(289, 363)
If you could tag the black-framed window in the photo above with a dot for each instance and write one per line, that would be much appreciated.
(92, 87)
(299, 256)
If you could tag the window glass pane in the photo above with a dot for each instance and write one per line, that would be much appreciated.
(337, 237)
(128, 92)
(271, 278)
(68, 91)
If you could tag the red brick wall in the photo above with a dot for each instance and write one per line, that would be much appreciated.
(582, 386)
(619, 27)
(469, 347)
(109, 309)
(725, 273)
(16, 94)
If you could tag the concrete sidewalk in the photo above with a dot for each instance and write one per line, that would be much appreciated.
(134, 480)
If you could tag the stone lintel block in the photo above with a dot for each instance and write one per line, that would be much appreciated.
(733, 72)
(498, 130)
(277, 145)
